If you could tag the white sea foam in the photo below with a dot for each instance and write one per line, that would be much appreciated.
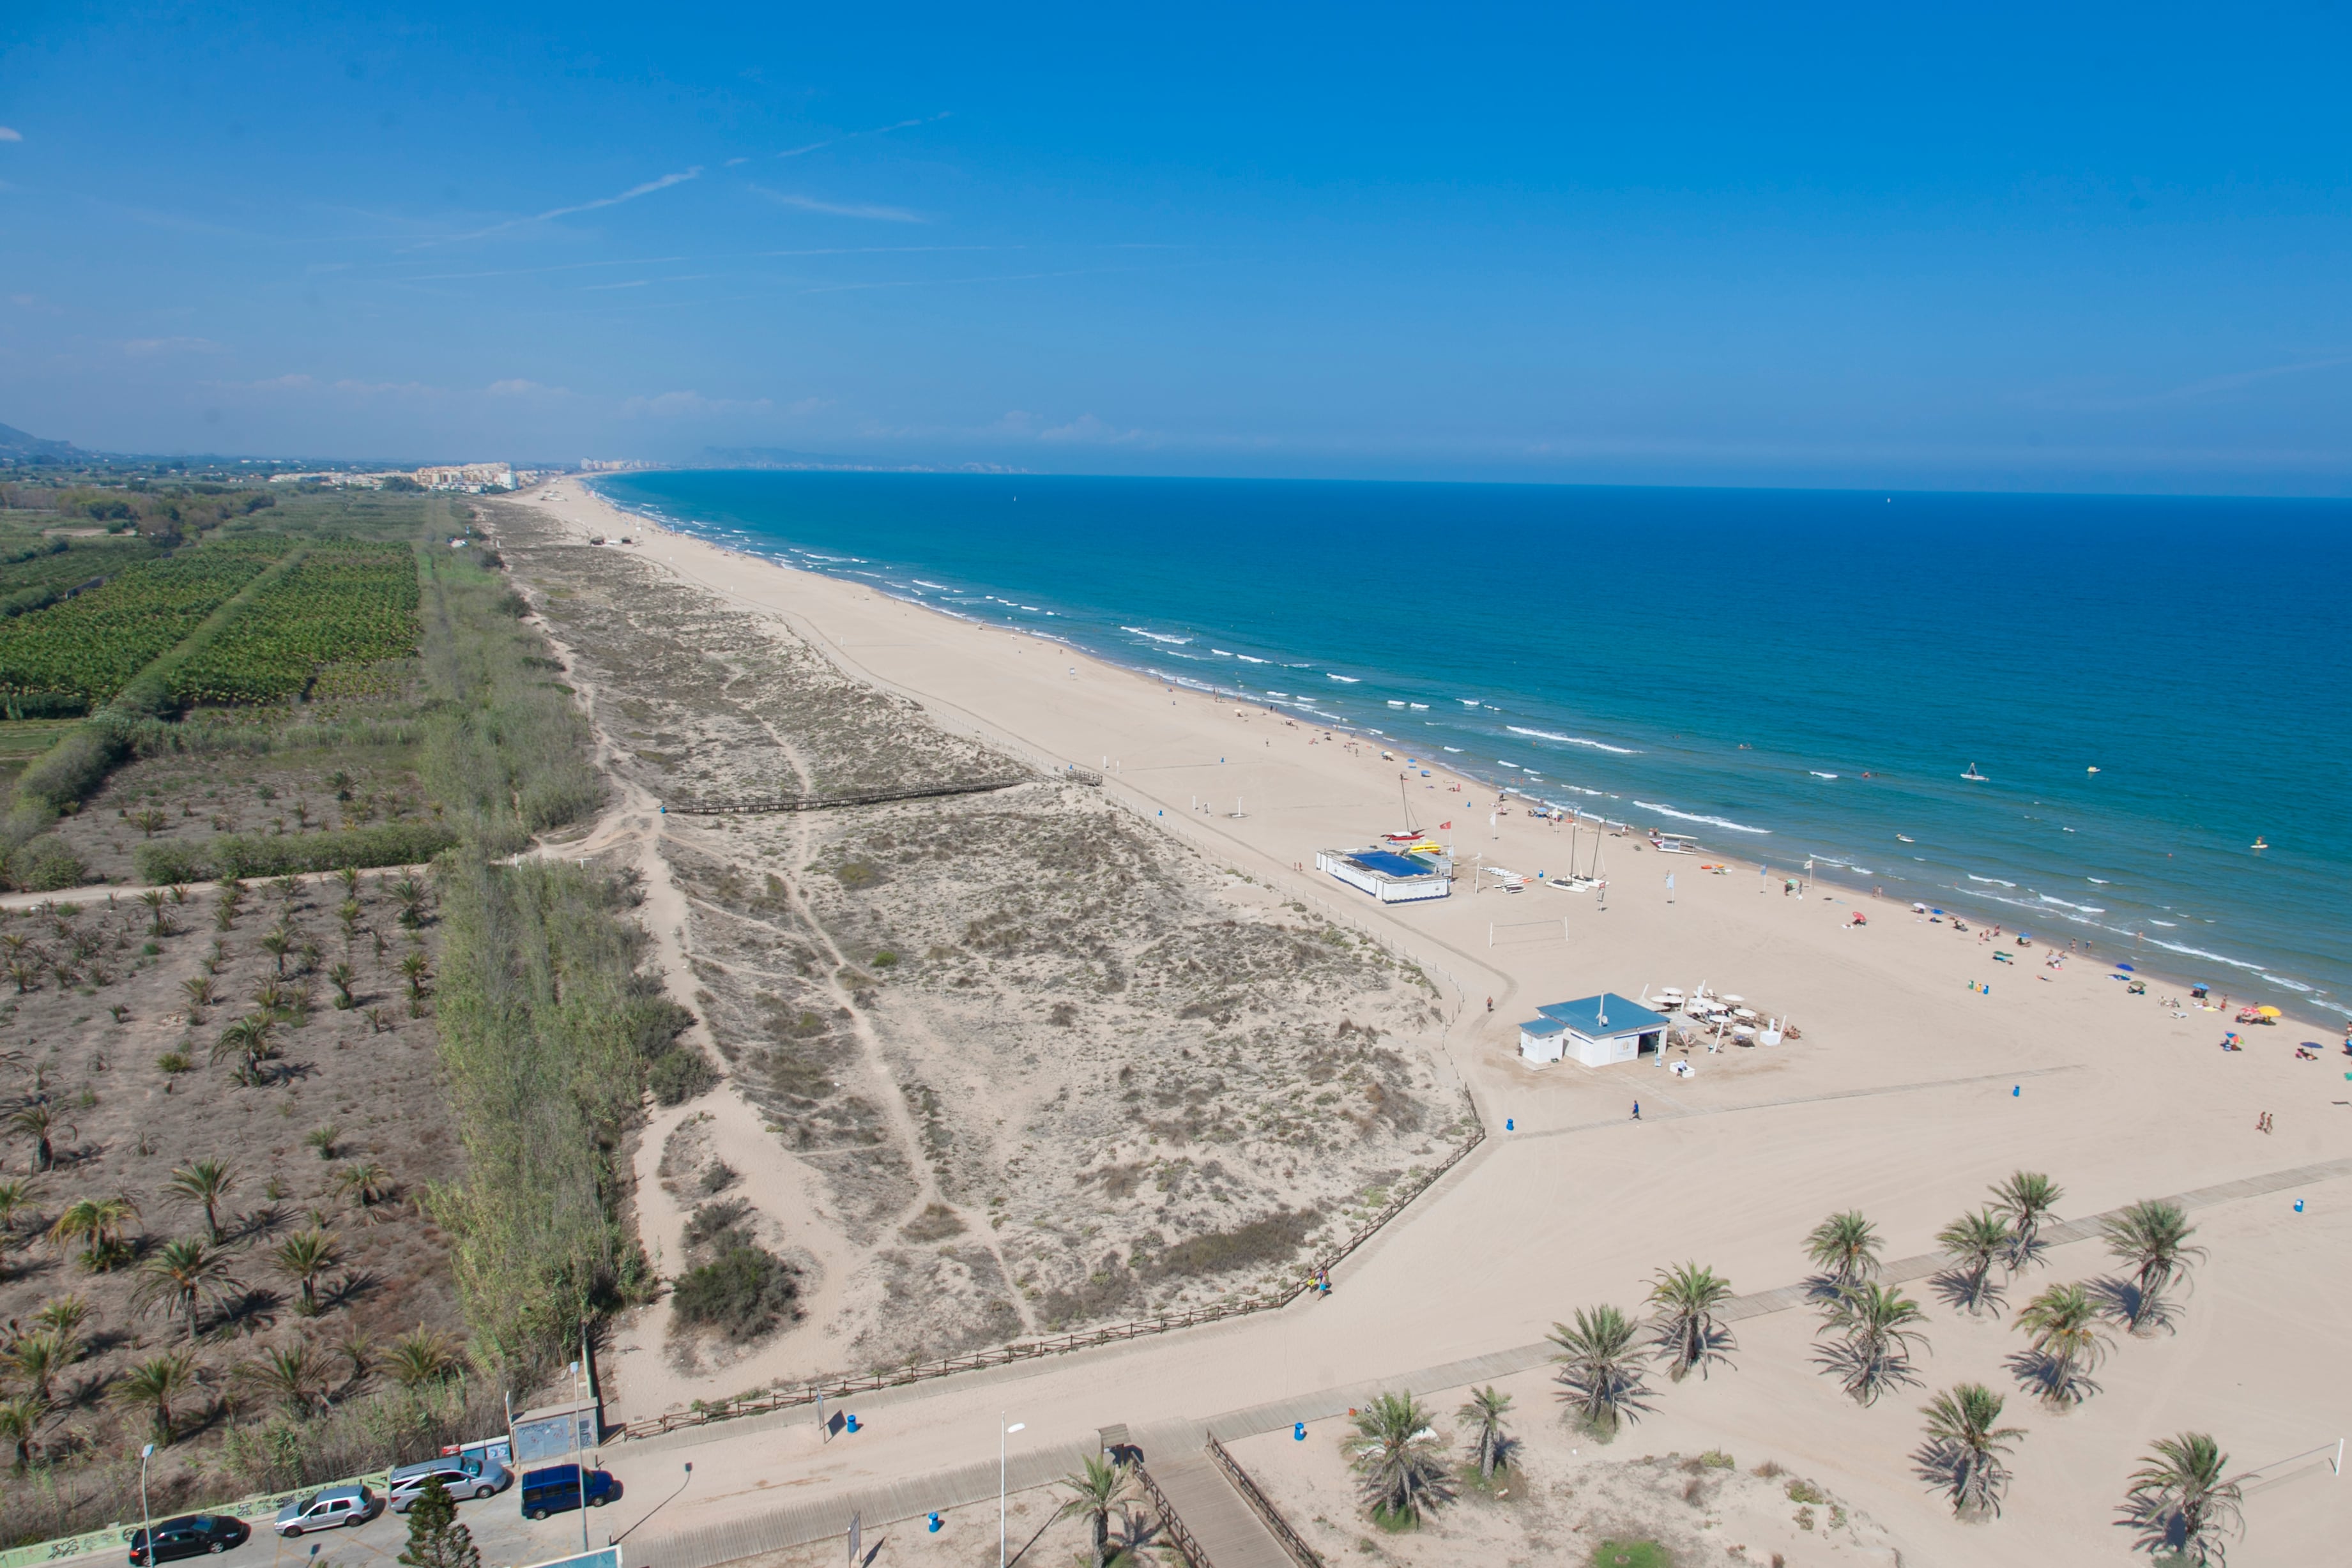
(1500, 763)
(1277, 694)
(1467, 702)
(2168, 924)
(1573, 740)
(2062, 904)
(1349, 680)
(941, 586)
(1157, 636)
(1988, 881)
(1245, 659)
(2102, 880)
(1422, 706)
(1393, 703)
(1691, 817)
(1221, 653)
(1819, 774)
(1453, 748)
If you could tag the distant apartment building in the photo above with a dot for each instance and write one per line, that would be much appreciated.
(471, 477)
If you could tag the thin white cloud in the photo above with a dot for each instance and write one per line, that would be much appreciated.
(2210, 386)
(10, 133)
(690, 405)
(1088, 430)
(838, 209)
(145, 346)
(854, 135)
(516, 386)
(631, 195)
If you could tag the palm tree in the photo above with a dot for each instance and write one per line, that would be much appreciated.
(204, 1184)
(1490, 1443)
(295, 1374)
(20, 1423)
(97, 1223)
(26, 976)
(1964, 1448)
(65, 1315)
(2025, 1199)
(2064, 1324)
(1600, 1369)
(422, 1357)
(2152, 1237)
(36, 1359)
(2182, 1501)
(41, 1122)
(1844, 1247)
(159, 923)
(153, 1384)
(199, 990)
(366, 1185)
(411, 894)
(1686, 1299)
(182, 1275)
(249, 1041)
(277, 944)
(1094, 1490)
(341, 977)
(16, 1196)
(413, 967)
(1876, 1322)
(1973, 1241)
(1400, 1469)
(304, 1258)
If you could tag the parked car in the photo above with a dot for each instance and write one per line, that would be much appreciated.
(466, 1475)
(558, 1490)
(329, 1509)
(191, 1536)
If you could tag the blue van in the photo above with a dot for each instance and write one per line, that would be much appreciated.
(558, 1490)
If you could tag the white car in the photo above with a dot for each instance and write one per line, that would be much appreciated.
(331, 1510)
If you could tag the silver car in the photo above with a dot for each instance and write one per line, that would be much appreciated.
(331, 1510)
(465, 1475)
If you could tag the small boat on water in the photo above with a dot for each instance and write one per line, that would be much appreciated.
(1972, 776)
(2092, 769)
(1905, 839)
(2260, 842)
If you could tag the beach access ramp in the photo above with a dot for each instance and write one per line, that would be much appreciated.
(1216, 1516)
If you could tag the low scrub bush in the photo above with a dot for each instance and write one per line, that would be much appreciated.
(679, 1075)
(743, 1292)
(1274, 1240)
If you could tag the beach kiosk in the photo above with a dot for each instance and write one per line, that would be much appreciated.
(1404, 875)
(1595, 1031)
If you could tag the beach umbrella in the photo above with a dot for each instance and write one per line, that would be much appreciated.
(2267, 1012)
(2127, 968)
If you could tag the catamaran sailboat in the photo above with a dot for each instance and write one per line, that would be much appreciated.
(1972, 776)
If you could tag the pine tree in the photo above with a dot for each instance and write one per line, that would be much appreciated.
(435, 1539)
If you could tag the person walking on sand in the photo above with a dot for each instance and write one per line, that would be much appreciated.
(1637, 1109)
(2263, 1122)
(1490, 1004)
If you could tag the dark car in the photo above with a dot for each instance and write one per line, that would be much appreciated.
(558, 1490)
(191, 1536)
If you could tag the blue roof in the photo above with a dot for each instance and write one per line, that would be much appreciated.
(1542, 1025)
(1387, 863)
(1584, 1016)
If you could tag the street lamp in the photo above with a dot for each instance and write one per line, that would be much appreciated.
(145, 1516)
(1002, 1432)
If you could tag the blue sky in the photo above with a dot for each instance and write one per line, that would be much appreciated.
(2013, 248)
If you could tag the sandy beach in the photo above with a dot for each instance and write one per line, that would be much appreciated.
(1925, 1071)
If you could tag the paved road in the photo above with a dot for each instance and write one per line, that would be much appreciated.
(500, 1532)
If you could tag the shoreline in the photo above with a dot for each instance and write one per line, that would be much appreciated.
(1992, 912)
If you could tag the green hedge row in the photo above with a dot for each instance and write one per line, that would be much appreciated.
(266, 855)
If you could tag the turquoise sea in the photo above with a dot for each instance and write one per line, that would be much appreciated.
(2148, 685)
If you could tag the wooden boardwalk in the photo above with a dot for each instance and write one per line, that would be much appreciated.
(1229, 1532)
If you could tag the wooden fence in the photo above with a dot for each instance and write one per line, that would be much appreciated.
(857, 798)
(1306, 1556)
